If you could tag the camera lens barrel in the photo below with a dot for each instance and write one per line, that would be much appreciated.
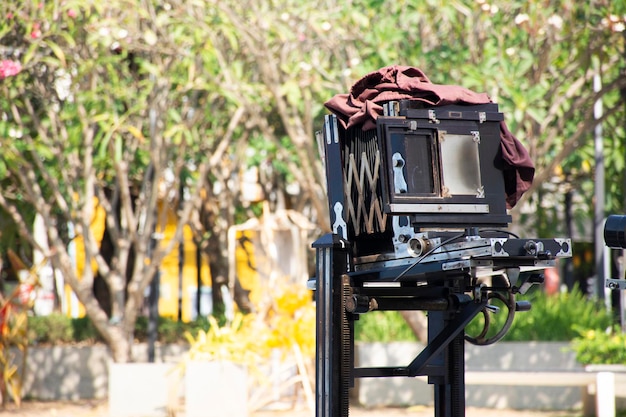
(615, 231)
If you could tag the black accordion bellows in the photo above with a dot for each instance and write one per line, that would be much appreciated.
(361, 176)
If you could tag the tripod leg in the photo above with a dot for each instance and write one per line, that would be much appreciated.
(450, 386)
(456, 370)
(333, 330)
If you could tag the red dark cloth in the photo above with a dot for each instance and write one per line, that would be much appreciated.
(517, 167)
(363, 105)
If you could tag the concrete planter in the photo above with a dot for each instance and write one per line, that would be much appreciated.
(503, 356)
(216, 389)
(66, 372)
(524, 357)
(80, 372)
(142, 389)
(73, 372)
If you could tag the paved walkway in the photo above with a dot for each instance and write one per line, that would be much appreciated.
(100, 409)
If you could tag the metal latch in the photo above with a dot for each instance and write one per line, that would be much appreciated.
(432, 116)
(399, 183)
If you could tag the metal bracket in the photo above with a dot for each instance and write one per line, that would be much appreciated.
(432, 116)
(615, 284)
(566, 247)
(497, 246)
(339, 221)
(391, 108)
(401, 235)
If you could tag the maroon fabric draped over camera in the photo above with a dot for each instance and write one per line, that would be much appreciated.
(364, 104)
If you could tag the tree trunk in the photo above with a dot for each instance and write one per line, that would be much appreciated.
(217, 215)
(115, 335)
(119, 344)
(218, 263)
(418, 322)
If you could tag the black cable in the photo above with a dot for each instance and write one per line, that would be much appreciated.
(501, 231)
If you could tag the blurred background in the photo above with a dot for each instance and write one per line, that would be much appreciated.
(160, 181)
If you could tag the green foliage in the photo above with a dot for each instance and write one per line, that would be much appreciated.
(382, 326)
(156, 85)
(534, 59)
(57, 329)
(170, 330)
(52, 329)
(83, 330)
(594, 347)
(116, 101)
(551, 318)
(243, 341)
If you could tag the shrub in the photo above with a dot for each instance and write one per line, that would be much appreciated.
(51, 329)
(170, 330)
(84, 330)
(243, 341)
(551, 318)
(382, 326)
(58, 329)
(595, 347)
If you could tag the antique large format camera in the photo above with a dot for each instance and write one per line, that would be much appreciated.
(419, 215)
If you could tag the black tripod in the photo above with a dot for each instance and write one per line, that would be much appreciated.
(340, 298)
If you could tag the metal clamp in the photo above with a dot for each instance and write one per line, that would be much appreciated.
(615, 284)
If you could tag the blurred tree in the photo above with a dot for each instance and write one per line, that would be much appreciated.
(117, 104)
(535, 58)
(133, 103)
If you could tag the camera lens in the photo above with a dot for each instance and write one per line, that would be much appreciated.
(615, 232)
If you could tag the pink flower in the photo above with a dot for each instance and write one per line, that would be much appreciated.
(36, 32)
(9, 68)
(72, 13)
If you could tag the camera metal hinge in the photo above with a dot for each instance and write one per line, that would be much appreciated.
(482, 117)
(432, 116)
(475, 136)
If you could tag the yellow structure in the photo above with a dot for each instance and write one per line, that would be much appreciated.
(264, 253)
(179, 280)
(71, 307)
(173, 275)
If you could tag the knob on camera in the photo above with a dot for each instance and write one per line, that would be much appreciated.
(615, 231)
